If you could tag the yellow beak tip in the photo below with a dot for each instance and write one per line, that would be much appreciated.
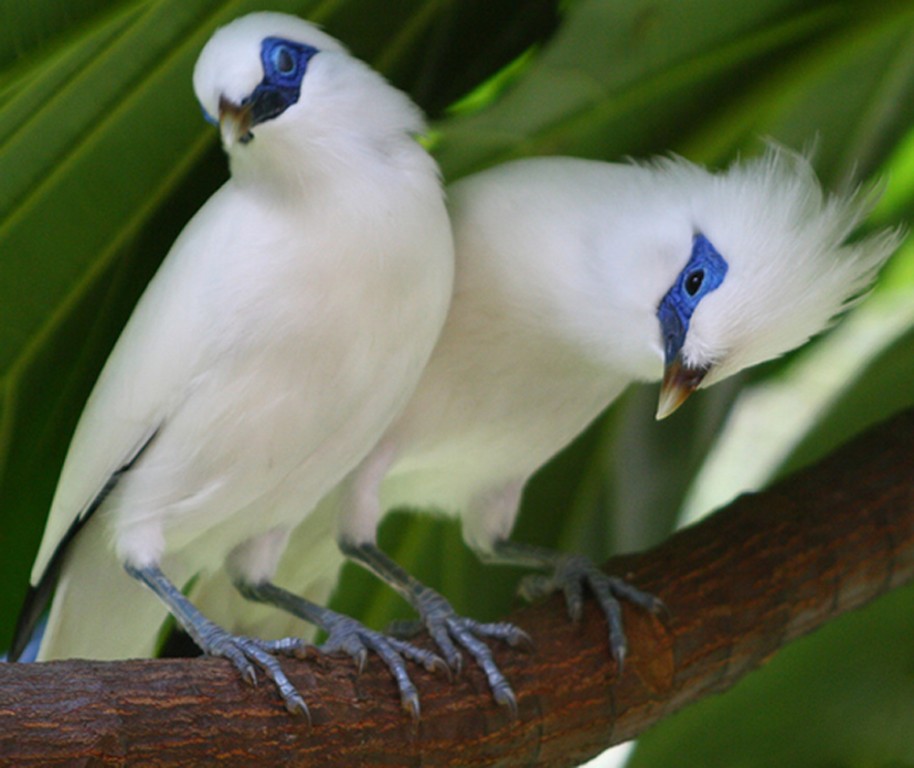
(679, 382)
(670, 400)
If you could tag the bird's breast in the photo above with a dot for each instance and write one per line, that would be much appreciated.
(312, 327)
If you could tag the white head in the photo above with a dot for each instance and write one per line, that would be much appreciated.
(276, 85)
(770, 267)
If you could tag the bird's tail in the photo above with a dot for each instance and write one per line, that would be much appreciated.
(98, 610)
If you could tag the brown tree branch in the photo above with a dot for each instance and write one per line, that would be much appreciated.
(739, 585)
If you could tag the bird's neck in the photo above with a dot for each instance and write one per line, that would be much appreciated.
(288, 170)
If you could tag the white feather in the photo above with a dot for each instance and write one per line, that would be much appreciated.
(284, 331)
(561, 265)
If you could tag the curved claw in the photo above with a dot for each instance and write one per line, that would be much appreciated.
(509, 633)
(346, 635)
(625, 591)
(431, 661)
(410, 703)
(216, 641)
(241, 651)
(441, 633)
(505, 697)
(574, 573)
(661, 610)
(450, 631)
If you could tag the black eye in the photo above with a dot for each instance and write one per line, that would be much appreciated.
(283, 60)
(693, 281)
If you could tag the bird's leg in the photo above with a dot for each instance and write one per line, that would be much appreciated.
(573, 574)
(216, 641)
(447, 628)
(346, 635)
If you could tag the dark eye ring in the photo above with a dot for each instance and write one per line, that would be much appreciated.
(693, 281)
(284, 60)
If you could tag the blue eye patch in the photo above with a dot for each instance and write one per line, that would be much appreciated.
(703, 273)
(284, 65)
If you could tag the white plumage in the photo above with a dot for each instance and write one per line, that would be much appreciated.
(562, 267)
(283, 332)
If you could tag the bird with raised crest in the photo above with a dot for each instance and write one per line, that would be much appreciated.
(574, 280)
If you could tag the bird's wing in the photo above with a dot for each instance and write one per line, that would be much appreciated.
(77, 626)
(141, 383)
(43, 583)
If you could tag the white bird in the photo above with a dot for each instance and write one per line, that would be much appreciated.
(574, 280)
(285, 329)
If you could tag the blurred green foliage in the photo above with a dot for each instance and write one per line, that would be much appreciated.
(104, 157)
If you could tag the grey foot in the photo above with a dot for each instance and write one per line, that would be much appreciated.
(242, 651)
(450, 631)
(575, 573)
(346, 635)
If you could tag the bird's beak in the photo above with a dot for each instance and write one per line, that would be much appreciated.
(234, 122)
(679, 381)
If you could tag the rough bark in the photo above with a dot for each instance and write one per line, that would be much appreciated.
(738, 586)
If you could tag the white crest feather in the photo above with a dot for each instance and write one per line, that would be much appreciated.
(792, 267)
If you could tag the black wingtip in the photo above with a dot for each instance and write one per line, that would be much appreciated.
(36, 599)
(38, 596)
